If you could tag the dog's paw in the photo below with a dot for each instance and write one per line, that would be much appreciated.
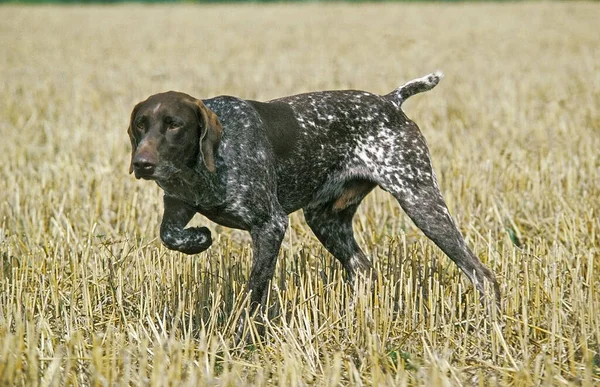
(202, 238)
(192, 240)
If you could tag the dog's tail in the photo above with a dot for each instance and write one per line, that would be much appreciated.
(419, 85)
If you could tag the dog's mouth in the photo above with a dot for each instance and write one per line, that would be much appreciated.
(163, 171)
(145, 175)
(160, 172)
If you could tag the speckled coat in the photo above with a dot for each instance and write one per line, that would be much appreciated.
(254, 163)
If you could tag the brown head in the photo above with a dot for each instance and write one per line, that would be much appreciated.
(174, 128)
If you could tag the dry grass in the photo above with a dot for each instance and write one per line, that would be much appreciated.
(90, 297)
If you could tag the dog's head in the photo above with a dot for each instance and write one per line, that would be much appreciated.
(172, 128)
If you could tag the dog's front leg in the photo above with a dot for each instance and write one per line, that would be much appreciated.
(173, 233)
(266, 241)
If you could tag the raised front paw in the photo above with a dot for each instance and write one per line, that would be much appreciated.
(192, 240)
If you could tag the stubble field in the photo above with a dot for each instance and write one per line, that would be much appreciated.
(89, 296)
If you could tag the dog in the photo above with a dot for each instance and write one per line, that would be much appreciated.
(247, 165)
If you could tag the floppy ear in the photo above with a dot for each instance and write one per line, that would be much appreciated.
(131, 136)
(210, 134)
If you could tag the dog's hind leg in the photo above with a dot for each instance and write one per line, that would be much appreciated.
(413, 183)
(426, 207)
(331, 222)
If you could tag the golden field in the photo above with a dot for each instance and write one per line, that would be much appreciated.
(89, 296)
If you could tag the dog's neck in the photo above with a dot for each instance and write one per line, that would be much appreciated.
(197, 186)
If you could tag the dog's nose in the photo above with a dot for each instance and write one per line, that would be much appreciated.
(143, 165)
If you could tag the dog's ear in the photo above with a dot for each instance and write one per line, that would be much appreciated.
(210, 134)
(131, 135)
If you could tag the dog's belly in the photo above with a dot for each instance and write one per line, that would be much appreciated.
(295, 190)
(292, 197)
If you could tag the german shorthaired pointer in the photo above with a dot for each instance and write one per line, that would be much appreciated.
(248, 164)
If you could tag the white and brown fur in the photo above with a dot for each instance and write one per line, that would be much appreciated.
(247, 165)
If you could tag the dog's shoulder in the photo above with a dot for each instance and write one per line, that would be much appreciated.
(280, 125)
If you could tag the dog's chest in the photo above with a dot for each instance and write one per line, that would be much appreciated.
(225, 217)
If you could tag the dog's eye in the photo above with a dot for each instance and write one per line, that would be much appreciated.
(140, 126)
(173, 124)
